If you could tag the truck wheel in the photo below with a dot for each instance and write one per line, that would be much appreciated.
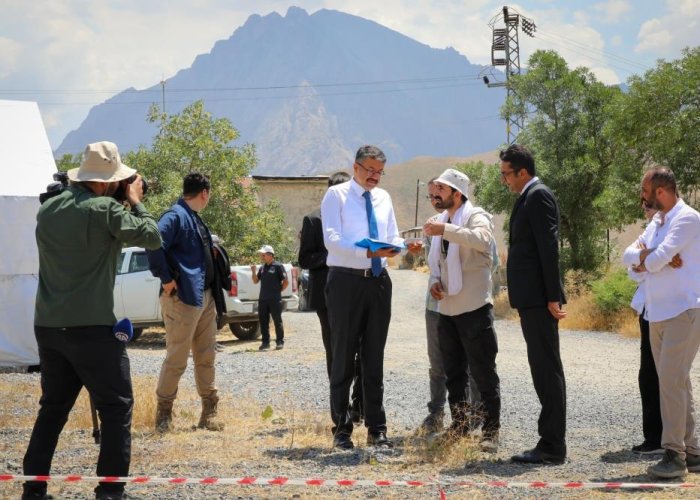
(137, 334)
(246, 330)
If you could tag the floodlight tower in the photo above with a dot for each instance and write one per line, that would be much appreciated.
(505, 51)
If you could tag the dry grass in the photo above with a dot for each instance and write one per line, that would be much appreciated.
(501, 307)
(259, 439)
(582, 314)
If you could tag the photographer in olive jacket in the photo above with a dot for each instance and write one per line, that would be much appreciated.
(79, 234)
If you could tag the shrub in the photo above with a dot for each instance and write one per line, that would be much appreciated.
(613, 292)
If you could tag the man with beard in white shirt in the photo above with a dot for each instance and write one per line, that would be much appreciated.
(672, 300)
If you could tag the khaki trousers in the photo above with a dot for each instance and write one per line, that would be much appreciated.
(674, 344)
(188, 327)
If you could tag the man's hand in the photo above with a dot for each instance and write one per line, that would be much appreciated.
(170, 288)
(556, 310)
(415, 247)
(382, 252)
(433, 228)
(134, 191)
(676, 261)
(644, 253)
(437, 292)
(639, 268)
(254, 269)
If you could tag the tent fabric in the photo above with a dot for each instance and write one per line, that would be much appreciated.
(27, 163)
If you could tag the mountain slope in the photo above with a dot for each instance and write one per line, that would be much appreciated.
(309, 89)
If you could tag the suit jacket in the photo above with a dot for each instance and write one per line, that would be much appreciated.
(533, 255)
(312, 256)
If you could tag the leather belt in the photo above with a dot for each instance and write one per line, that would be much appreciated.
(365, 273)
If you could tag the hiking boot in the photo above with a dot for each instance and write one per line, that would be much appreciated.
(692, 462)
(647, 448)
(670, 466)
(209, 409)
(164, 416)
(265, 346)
(433, 423)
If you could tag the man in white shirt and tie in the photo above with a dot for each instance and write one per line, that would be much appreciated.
(358, 292)
(672, 300)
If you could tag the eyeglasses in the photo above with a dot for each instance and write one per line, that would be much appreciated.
(506, 174)
(371, 171)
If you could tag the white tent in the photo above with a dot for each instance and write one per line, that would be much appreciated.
(27, 163)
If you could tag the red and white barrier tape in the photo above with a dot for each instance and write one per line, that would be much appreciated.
(285, 481)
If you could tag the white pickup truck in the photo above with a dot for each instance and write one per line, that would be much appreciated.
(136, 296)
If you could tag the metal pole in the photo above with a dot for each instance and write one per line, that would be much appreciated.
(415, 223)
(162, 84)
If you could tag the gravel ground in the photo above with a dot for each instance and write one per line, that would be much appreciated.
(604, 411)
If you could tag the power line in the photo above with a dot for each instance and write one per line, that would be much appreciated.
(266, 97)
(157, 88)
(620, 59)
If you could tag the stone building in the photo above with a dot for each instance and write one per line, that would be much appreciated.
(296, 195)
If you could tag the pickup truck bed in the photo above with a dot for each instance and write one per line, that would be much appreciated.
(136, 296)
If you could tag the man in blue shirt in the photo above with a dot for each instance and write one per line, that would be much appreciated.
(185, 266)
(273, 279)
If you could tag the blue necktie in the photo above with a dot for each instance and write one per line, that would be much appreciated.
(373, 232)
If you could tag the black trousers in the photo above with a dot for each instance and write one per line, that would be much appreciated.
(468, 342)
(70, 359)
(267, 308)
(541, 332)
(359, 311)
(648, 378)
(356, 398)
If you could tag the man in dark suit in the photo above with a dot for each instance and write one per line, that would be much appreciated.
(536, 291)
(312, 256)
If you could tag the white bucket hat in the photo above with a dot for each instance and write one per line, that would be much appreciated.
(267, 249)
(102, 163)
(455, 179)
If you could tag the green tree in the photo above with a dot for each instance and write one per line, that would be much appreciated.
(193, 140)
(658, 122)
(567, 129)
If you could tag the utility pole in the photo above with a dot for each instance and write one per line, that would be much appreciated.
(162, 85)
(415, 223)
(505, 51)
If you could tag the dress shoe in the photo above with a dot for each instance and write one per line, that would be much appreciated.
(536, 456)
(342, 441)
(379, 439)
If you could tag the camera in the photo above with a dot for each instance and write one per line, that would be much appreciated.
(56, 187)
(120, 193)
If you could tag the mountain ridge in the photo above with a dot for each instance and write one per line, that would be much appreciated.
(308, 89)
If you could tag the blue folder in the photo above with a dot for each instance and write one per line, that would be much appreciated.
(374, 245)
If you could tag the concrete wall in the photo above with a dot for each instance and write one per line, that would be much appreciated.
(297, 196)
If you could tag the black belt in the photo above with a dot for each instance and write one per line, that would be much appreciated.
(365, 273)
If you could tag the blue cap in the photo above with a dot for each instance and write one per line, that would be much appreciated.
(123, 330)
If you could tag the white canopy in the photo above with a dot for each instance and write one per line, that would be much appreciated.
(27, 164)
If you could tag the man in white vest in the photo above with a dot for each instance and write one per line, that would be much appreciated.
(460, 267)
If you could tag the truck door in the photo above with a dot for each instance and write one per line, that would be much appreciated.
(118, 304)
(139, 289)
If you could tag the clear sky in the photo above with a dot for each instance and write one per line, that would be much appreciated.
(72, 54)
